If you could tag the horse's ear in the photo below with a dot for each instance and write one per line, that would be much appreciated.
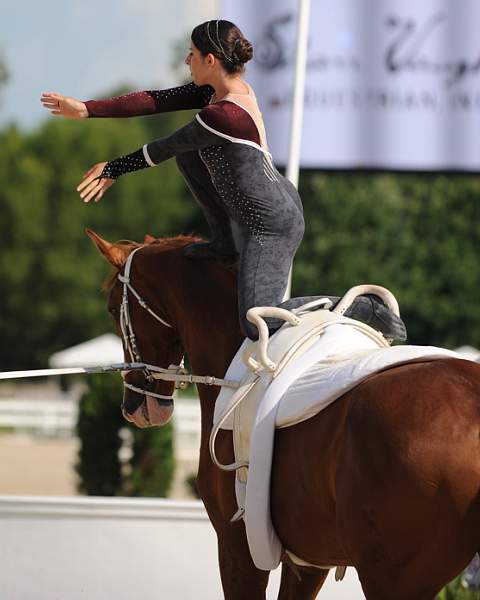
(149, 239)
(116, 255)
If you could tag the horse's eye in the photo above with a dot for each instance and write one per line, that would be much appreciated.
(113, 311)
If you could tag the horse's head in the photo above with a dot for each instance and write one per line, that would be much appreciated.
(148, 331)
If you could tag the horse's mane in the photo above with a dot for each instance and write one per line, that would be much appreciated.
(164, 244)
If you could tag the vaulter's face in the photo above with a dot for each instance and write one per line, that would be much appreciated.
(199, 65)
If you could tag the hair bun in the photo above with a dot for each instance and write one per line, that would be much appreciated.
(243, 50)
(226, 42)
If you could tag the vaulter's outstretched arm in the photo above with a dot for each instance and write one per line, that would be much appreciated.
(191, 137)
(194, 136)
(136, 104)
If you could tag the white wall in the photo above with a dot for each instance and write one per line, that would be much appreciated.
(122, 549)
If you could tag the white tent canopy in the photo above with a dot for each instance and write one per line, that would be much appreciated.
(101, 351)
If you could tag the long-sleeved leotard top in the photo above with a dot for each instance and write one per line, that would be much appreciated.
(230, 139)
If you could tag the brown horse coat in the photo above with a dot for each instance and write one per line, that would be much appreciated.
(386, 479)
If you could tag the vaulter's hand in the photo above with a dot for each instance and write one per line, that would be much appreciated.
(92, 188)
(64, 106)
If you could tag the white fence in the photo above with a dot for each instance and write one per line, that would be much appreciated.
(59, 416)
(47, 417)
(99, 548)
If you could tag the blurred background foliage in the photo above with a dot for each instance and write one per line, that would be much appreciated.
(103, 467)
(50, 272)
(456, 591)
(417, 234)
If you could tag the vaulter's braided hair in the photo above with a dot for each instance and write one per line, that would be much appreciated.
(226, 42)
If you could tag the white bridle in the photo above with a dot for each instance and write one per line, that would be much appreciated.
(174, 373)
(129, 338)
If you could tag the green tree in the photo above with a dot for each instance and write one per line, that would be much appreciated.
(50, 272)
(153, 463)
(99, 468)
(99, 422)
(415, 234)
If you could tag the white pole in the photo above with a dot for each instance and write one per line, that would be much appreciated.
(296, 122)
(293, 166)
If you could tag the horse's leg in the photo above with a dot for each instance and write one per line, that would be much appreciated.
(240, 577)
(306, 588)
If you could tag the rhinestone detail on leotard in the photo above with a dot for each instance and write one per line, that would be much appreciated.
(124, 164)
(205, 92)
(222, 177)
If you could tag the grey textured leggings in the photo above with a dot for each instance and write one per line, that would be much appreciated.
(263, 276)
(264, 263)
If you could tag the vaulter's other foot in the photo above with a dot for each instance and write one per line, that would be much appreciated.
(371, 311)
(208, 251)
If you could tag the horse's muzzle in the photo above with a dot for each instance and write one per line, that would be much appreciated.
(145, 410)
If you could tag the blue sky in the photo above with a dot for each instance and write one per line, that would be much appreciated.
(85, 47)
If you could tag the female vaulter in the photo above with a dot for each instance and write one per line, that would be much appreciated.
(254, 213)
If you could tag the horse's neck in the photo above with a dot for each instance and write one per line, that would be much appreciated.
(207, 317)
(210, 353)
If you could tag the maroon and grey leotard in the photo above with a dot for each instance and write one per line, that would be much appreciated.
(224, 159)
(223, 154)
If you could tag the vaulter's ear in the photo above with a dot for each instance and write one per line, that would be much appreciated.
(116, 255)
(149, 239)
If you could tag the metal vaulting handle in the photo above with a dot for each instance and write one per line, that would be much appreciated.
(360, 290)
(256, 316)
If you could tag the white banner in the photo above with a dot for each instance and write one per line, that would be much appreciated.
(391, 84)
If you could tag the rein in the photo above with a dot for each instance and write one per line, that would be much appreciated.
(174, 373)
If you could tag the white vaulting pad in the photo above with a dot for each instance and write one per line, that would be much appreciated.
(340, 359)
(336, 341)
(327, 380)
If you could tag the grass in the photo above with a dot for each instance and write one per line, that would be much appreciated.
(455, 591)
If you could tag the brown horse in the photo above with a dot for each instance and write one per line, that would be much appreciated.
(386, 479)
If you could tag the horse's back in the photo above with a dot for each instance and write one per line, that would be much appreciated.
(413, 413)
